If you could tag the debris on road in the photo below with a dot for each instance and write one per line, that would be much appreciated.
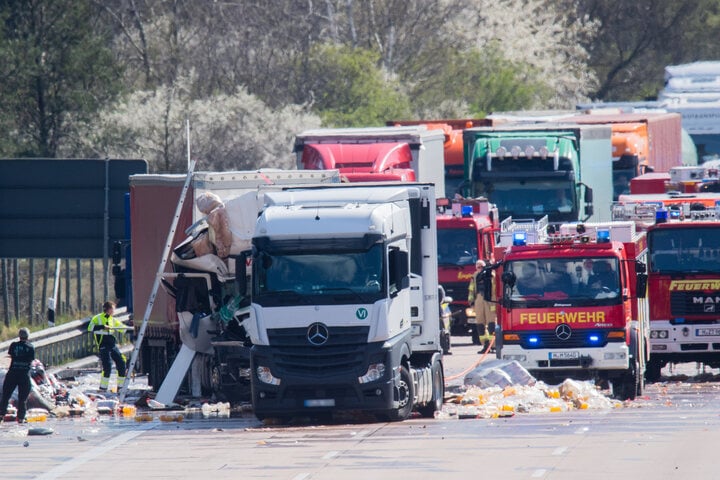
(502, 388)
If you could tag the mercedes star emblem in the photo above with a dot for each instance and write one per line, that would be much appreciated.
(563, 331)
(317, 334)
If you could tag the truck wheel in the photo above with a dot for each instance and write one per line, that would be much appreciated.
(404, 396)
(436, 403)
(626, 387)
(652, 371)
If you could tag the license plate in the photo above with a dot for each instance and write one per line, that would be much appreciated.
(564, 355)
(707, 332)
(320, 402)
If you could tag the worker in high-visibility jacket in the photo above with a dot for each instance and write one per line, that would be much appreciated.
(103, 326)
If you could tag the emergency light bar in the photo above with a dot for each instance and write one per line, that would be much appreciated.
(535, 231)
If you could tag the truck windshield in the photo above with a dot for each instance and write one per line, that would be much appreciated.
(327, 277)
(531, 198)
(570, 281)
(687, 249)
(457, 246)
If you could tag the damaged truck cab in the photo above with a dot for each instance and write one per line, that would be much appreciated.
(344, 312)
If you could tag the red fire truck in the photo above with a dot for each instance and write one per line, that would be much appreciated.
(466, 233)
(572, 301)
(683, 278)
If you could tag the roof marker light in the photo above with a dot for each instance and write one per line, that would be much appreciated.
(520, 238)
(603, 235)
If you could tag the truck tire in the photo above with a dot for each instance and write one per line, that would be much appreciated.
(626, 387)
(436, 404)
(404, 395)
(652, 371)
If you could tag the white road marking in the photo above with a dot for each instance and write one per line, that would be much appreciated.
(301, 476)
(559, 451)
(72, 464)
(539, 473)
(330, 455)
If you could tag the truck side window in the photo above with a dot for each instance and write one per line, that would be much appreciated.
(398, 269)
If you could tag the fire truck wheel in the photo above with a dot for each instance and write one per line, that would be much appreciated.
(626, 387)
(404, 393)
(652, 371)
(436, 403)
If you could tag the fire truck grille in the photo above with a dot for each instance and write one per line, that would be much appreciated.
(458, 291)
(343, 352)
(694, 303)
(578, 339)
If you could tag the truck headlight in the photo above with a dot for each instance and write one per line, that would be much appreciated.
(375, 371)
(265, 375)
(518, 358)
(659, 334)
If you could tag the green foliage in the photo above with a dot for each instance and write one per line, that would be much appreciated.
(349, 90)
(55, 63)
(482, 82)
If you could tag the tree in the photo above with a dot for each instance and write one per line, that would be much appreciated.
(636, 40)
(228, 132)
(348, 89)
(56, 62)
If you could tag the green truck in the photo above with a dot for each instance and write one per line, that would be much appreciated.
(560, 170)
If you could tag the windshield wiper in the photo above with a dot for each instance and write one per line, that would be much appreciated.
(344, 290)
(286, 296)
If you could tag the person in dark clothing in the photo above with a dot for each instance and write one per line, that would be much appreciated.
(22, 354)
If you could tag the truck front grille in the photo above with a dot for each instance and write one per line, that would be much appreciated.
(344, 352)
(695, 303)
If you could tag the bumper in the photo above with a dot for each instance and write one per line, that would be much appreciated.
(614, 356)
(316, 388)
(684, 343)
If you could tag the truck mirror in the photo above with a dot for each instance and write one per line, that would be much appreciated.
(508, 278)
(641, 285)
(117, 253)
(640, 267)
(588, 194)
(265, 260)
(241, 273)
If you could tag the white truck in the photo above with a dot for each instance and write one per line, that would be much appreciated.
(345, 311)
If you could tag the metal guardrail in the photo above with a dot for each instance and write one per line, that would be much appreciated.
(67, 342)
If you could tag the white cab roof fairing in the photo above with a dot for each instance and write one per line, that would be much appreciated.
(350, 220)
(372, 194)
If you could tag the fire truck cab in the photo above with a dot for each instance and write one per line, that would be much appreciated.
(572, 302)
(466, 234)
(683, 276)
